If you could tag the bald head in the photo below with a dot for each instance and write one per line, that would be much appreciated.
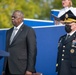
(17, 17)
(19, 13)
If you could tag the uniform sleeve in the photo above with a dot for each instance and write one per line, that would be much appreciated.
(58, 55)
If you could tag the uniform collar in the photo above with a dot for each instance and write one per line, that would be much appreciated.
(71, 33)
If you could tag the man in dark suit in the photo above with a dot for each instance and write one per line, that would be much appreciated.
(66, 59)
(21, 44)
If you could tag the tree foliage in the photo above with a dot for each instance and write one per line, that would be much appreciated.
(36, 9)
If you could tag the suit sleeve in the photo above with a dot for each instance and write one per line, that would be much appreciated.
(31, 50)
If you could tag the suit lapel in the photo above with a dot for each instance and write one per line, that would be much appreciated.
(9, 35)
(18, 33)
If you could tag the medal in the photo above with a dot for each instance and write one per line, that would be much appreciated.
(72, 51)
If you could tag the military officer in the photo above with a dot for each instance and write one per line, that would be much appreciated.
(66, 57)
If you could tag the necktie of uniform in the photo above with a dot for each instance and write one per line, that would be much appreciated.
(67, 37)
(13, 34)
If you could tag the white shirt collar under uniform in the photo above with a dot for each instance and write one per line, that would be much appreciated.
(71, 33)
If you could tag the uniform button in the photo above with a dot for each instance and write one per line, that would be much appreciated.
(56, 65)
(62, 54)
(62, 59)
(63, 46)
(63, 50)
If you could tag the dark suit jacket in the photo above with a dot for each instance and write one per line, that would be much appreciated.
(22, 50)
(69, 47)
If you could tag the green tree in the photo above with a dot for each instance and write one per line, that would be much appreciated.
(8, 6)
(45, 8)
(36, 9)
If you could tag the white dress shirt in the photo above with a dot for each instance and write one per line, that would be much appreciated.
(15, 30)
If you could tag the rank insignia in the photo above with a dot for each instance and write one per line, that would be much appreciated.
(66, 16)
(72, 51)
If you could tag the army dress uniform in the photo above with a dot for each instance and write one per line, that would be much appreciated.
(66, 57)
(66, 60)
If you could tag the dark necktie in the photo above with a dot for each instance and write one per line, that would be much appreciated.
(67, 37)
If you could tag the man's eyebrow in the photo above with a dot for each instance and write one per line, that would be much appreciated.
(14, 16)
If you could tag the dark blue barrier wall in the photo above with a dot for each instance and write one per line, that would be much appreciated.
(47, 42)
(2, 47)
